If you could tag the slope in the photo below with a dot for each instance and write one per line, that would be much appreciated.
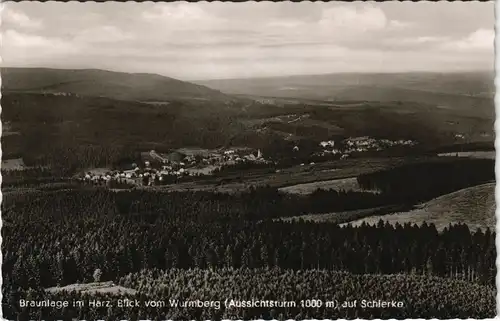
(100, 83)
(54, 130)
(474, 206)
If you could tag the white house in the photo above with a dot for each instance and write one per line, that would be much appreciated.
(329, 143)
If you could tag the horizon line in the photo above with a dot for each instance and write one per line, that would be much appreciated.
(267, 77)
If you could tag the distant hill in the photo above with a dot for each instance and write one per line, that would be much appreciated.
(472, 91)
(474, 206)
(100, 83)
(96, 112)
(77, 125)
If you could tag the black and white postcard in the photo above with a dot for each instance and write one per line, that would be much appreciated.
(248, 161)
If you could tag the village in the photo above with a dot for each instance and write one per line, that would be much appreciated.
(156, 169)
(181, 165)
(351, 145)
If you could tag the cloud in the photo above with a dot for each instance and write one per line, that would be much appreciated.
(13, 38)
(182, 11)
(481, 39)
(397, 24)
(180, 16)
(103, 34)
(354, 19)
(423, 40)
(25, 48)
(18, 19)
(193, 40)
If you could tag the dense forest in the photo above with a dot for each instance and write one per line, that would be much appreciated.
(424, 181)
(95, 132)
(59, 238)
(291, 291)
(140, 238)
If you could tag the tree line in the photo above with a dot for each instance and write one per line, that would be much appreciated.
(62, 237)
(423, 181)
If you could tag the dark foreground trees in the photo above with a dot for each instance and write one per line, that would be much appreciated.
(61, 237)
(424, 181)
(274, 293)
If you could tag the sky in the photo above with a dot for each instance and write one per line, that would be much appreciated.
(196, 41)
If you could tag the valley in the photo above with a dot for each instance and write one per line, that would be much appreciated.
(295, 144)
(192, 179)
(260, 161)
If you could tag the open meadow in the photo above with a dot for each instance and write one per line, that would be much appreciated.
(474, 206)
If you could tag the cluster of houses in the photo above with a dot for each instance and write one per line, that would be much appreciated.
(267, 101)
(363, 144)
(138, 176)
(160, 169)
(359, 144)
(60, 94)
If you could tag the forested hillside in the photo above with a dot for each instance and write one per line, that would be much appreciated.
(159, 230)
(101, 83)
(62, 237)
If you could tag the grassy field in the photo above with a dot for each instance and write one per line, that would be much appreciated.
(338, 173)
(474, 154)
(94, 288)
(342, 217)
(13, 164)
(308, 174)
(474, 206)
(346, 184)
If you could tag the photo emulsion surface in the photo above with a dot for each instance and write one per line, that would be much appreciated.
(210, 161)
